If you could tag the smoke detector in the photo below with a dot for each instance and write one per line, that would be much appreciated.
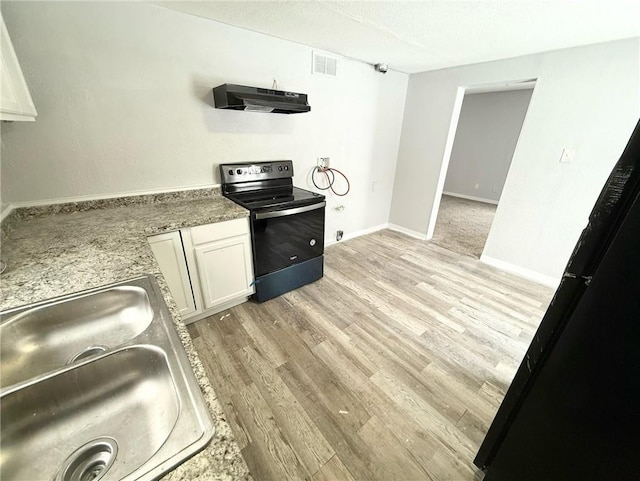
(381, 67)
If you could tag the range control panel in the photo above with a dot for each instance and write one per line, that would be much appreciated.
(253, 171)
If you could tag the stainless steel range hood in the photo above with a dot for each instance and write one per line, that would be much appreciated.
(254, 99)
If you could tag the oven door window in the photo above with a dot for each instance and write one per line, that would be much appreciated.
(280, 242)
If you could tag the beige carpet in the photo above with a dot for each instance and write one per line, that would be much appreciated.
(463, 225)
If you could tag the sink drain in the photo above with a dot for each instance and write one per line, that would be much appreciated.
(89, 462)
(88, 352)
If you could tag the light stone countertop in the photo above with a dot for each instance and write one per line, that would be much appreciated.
(66, 248)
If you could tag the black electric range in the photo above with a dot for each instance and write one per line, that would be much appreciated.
(287, 224)
(275, 197)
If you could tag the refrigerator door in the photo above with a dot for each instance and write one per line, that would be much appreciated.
(564, 414)
(581, 417)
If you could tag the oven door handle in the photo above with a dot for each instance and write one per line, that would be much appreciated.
(296, 210)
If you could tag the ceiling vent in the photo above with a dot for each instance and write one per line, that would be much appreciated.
(324, 65)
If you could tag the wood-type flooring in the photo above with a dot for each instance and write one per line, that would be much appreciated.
(391, 367)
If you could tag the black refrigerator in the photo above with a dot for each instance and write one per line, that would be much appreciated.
(572, 411)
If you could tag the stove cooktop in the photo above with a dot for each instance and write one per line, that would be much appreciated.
(275, 198)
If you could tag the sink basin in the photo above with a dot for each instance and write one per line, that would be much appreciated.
(38, 339)
(128, 397)
(131, 410)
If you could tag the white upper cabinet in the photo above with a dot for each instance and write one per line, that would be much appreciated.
(15, 99)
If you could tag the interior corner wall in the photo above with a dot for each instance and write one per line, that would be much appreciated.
(586, 98)
(125, 106)
(484, 143)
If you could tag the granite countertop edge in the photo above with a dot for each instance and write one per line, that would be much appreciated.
(141, 216)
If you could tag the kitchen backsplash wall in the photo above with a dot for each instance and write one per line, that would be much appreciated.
(123, 92)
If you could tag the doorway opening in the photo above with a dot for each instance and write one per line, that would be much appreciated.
(482, 140)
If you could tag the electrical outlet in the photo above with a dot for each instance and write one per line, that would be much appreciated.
(339, 235)
(476, 186)
(323, 162)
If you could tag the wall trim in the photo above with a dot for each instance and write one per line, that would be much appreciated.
(446, 158)
(528, 274)
(409, 232)
(8, 209)
(470, 197)
(84, 198)
(358, 233)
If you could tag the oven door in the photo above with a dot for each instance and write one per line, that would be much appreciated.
(282, 238)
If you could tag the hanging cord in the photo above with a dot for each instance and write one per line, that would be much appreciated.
(330, 180)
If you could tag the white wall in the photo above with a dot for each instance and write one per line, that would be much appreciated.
(123, 92)
(586, 98)
(484, 143)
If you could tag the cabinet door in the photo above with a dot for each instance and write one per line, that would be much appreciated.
(224, 270)
(15, 100)
(169, 253)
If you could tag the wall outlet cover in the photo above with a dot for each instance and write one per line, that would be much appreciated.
(339, 235)
(323, 162)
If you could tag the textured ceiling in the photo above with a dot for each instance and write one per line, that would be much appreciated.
(427, 35)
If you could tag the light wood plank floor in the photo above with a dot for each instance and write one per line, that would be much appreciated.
(391, 367)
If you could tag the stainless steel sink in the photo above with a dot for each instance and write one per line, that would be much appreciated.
(130, 410)
(128, 397)
(38, 339)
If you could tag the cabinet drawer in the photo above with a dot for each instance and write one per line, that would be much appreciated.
(219, 230)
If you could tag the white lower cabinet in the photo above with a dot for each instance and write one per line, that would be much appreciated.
(168, 250)
(219, 266)
(223, 270)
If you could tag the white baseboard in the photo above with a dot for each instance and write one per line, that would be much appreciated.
(470, 197)
(357, 233)
(6, 211)
(521, 272)
(84, 198)
(409, 232)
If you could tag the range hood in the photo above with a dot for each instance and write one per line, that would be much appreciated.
(254, 99)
